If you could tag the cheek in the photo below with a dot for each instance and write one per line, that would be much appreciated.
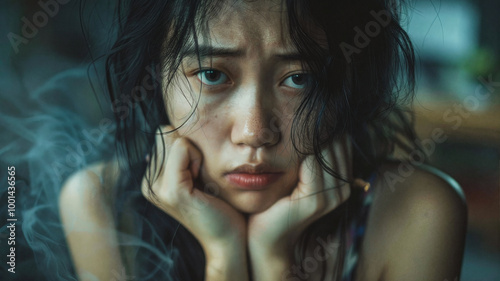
(180, 102)
(281, 122)
(206, 132)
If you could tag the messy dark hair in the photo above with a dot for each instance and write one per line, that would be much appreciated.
(359, 76)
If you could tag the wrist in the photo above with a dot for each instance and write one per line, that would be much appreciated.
(269, 265)
(281, 250)
(220, 250)
(227, 269)
(268, 268)
(227, 262)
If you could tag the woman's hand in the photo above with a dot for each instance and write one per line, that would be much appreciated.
(274, 232)
(220, 229)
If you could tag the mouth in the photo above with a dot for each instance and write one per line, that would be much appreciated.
(253, 177)
(252, 181)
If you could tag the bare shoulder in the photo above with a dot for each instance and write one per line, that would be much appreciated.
(418, 187)
(90, 188)
(416, 226)
(87, 220)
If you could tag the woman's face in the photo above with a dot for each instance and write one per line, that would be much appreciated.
(247, 90)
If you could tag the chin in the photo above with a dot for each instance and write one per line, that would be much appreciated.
(251, 204)
(249, 210)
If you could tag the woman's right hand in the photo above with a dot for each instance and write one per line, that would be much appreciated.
(219, 227)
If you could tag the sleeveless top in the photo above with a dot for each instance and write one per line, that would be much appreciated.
(356, 234)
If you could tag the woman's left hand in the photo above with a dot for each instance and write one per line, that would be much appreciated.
(274, 232)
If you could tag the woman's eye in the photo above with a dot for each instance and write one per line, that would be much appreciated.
(212, 77)
(297, 81)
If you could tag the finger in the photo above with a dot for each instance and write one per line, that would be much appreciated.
(330, 182)
(331, 160)
(347, 152)
(347, 168)
(335, 188)
(183, 166)
(173, 190)
(343, 158)
(310, 178)
(164, 137)
(311, 201)
(345, 192)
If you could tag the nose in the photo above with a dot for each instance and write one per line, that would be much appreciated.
(252, 124)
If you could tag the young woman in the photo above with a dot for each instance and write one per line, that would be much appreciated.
(253, 143)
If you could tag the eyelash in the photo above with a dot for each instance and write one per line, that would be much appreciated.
(203, 71)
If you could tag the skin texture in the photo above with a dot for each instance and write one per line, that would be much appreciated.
(245, 119)
(245, 98)
(415, 229)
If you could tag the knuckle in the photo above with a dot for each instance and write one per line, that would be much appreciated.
(169, 197)
(180, 142)
(160, 195)
(179, 145)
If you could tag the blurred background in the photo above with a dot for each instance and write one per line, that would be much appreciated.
(457, 44)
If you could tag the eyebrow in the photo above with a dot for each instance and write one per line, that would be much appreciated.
(205, 51)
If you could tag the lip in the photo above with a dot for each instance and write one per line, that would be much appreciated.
(253, 177)
(253, 181)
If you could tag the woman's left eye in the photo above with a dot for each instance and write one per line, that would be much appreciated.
(297, 81)
(212, 77)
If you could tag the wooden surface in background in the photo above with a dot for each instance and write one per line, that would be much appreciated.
(481, 127)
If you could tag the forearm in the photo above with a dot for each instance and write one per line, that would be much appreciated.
(227, 270)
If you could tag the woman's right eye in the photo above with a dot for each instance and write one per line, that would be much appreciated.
(212, 77)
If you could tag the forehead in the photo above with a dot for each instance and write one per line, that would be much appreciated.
(256, 25)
